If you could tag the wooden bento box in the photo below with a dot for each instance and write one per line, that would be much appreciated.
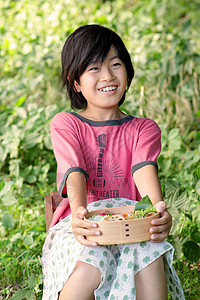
(123, 231)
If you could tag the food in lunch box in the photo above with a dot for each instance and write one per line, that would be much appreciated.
(136, 214)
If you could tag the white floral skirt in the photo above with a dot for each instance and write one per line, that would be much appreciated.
(117, 263)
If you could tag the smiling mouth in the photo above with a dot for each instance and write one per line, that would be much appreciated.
(108, 88)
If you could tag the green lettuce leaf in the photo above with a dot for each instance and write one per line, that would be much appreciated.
(144, 203)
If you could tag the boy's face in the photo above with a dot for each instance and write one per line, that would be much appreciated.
(103, 84)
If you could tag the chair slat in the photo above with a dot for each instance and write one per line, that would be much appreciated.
(51, 203)
(48, 211)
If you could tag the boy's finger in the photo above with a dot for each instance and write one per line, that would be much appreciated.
(159, 221)
(157, 238)
(85, 242)
(165, 219)
(81, 211)
(86, 232)
(84, 223)
(160, 206)
(159, 229)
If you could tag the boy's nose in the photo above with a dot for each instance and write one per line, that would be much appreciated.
(107, 74)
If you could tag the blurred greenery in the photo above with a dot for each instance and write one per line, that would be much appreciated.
(164, 42)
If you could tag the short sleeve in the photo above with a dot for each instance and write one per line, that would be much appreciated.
(147, 145)
(67, 150)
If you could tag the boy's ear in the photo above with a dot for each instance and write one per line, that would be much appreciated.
(77, 87)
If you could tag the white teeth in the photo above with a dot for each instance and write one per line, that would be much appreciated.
(108, 88)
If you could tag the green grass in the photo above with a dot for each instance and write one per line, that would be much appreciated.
(189, 276)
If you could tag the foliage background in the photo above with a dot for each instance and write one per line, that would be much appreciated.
(164, 43)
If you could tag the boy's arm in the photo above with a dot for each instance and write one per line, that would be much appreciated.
(76, 191)
(77, 195)
(147, 182)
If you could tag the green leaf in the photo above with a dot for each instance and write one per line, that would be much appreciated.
(8, 199)
(24, 172)
(45, 168)
(20, 294)
(20, 101)
(195, 235)
(171, 198)
(32, 281)
(174, 212)
(174, 133)
(102, 20)
(175, 144)
(3, 152)
(175, 241)
(171, 186)
(30, 295)
(8, 221)
(23, 293)
(6, 187)
(16, 237)
(197, 187)
(28, 240)
(195, 212)
(175, 227)
(144, 203)
(165, 164)
(36, 170)
(31, 140)
(31, 178)
(1, 185)
(180, 202)
(50, 110)
(174, 139)
(27, 191)
(191, 251)
(198, 113)
(47, 142)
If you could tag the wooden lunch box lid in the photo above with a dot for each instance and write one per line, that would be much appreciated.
(121, 232)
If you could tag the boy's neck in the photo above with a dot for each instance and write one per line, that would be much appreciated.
(102, 115)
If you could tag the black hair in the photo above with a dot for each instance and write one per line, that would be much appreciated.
(86, 44)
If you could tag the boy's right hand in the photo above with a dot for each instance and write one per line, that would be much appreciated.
(82, 228)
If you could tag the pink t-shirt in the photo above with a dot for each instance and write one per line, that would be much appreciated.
(106, 152)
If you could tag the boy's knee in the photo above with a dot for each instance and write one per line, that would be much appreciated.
(87, 270)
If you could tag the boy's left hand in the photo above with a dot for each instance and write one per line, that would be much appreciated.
(160, 227)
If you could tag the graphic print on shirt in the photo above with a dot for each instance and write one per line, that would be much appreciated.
(99, 168)
(100, 182)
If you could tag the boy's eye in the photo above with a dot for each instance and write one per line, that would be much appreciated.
(93, 69)
(116, 64)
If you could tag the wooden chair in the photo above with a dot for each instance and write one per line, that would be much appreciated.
(51, 203)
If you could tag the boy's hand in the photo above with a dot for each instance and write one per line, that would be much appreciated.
(161, 227)
(82, 228)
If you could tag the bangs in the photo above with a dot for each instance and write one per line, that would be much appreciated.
(96, 47)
